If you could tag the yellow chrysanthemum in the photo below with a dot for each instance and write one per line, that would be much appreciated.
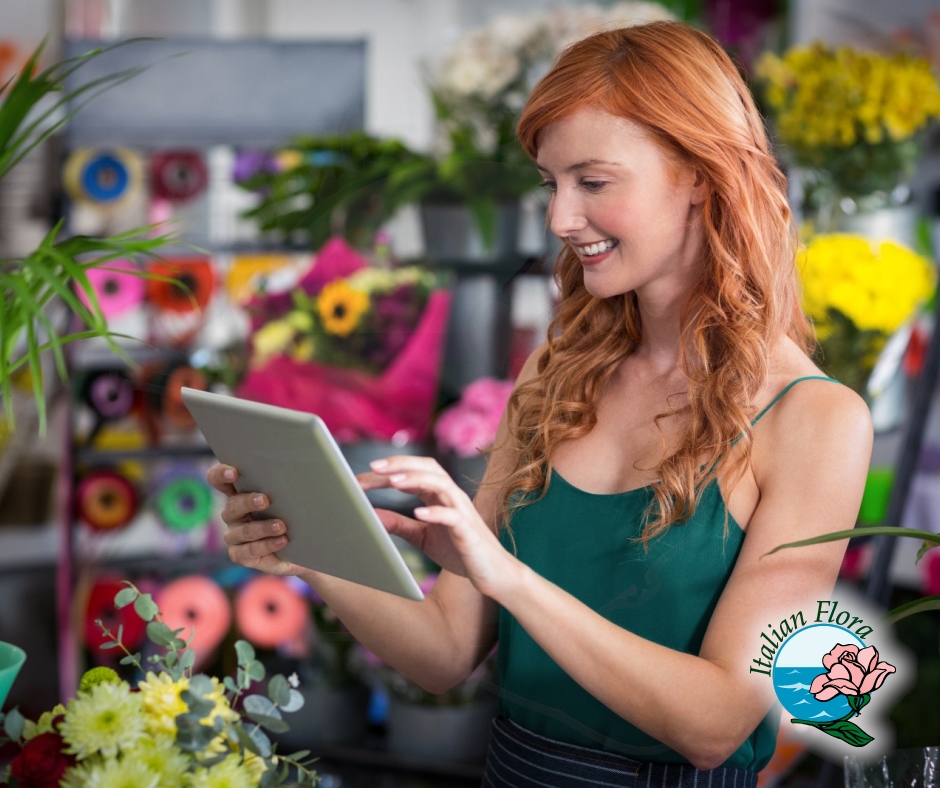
(164, 758)
(230, 773)
(825, 96)
(122, 773)
(341, 307)
(876, 286)
(107, 720)
(162, 703)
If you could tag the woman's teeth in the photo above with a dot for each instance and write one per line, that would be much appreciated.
(592, 249)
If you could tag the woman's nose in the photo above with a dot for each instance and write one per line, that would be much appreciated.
(565, 216)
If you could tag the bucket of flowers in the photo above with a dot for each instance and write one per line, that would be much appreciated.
(172, 728)
(853, 119)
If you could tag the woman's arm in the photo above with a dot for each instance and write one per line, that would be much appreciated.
(704, 706)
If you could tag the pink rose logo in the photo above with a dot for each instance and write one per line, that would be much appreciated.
(851, 672)
(854, 673)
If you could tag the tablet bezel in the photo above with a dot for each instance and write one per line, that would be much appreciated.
(306, 472)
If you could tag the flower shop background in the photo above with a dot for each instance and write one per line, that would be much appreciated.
(403, 37)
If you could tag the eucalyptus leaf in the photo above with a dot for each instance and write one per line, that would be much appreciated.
(201, 685)
(244, 651)
(258, 704)
(125, 597)
(261, 740)
(13, 724)
(159, 633)
(246, 740)
(228, 681)
(256, 670)
(189, 659)
(273, 724)
(146, 608)
(295, 701)
(130, 659)
(279, 690)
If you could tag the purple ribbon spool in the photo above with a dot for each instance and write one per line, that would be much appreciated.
(111, 394)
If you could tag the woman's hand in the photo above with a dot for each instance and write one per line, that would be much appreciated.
(251, 543)
(449, 530)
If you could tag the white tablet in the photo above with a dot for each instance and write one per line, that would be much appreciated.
(292, 458)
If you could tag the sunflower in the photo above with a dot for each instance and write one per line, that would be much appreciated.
(341, 307)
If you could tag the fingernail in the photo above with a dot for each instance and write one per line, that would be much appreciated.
(258, 500)
(229, 475)
(280, 540)
(421, 511)
(397, 477)
(277, 528)
(379, 464)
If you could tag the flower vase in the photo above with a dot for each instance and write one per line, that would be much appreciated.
(11, 660)
(442, 733)
(906, 767)
(881, 220)
(451, 232)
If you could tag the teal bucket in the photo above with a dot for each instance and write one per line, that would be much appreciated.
(11, 660)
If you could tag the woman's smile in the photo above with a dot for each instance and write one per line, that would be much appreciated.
(596, 252)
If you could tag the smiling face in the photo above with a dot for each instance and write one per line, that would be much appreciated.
(629, 211)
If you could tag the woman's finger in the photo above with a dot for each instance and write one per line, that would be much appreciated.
(252, 531)
(240, 507)
(425, 483)
(407, 462)
(222, 478)
(261, 555)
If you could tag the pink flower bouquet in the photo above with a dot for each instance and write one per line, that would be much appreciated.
(361, 347)
(471, 424)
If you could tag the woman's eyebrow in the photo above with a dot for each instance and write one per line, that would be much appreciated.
(582, 164)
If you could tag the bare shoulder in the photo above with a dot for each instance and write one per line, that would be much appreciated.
(818, 425)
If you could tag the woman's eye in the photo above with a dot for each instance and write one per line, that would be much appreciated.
(550, 185)
(594, 186)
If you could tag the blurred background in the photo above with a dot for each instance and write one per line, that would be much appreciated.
(321, 205)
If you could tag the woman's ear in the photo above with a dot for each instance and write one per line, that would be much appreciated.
(699, 188)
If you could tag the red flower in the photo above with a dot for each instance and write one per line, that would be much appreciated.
(41, 763)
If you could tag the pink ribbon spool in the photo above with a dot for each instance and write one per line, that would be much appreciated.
(196, 603)
(270, 613)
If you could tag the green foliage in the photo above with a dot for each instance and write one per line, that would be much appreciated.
(340, 184)
(260, 712)
(30, 286)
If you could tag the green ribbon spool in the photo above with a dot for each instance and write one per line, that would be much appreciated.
(875, 498)
(184, 504)
(11, 660)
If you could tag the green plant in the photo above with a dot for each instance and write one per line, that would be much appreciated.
(32, 284)
(333, 184)
(930, 540)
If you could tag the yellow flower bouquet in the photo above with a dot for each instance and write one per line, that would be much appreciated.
(854, 117)
(858, 293)
(173, 729)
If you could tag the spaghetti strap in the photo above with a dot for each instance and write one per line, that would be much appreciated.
(789, 386)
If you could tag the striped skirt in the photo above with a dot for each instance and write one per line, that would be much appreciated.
(518, 758)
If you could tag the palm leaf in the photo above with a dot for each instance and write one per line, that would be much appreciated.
(866, 530)
(915, 606)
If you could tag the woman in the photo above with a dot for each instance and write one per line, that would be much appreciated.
(618, 547)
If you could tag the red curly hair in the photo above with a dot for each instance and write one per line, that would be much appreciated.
(682, 88)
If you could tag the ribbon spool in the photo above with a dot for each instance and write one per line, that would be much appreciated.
(184, 504)
(117, 286)
(199, 607)
(269, 612)
(109, 393)
(196, 276)
(178, 175)
(164, 386)
(106, 501)
(102, 177)
(100, 606)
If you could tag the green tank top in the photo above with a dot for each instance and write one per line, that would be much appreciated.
(582, 542)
